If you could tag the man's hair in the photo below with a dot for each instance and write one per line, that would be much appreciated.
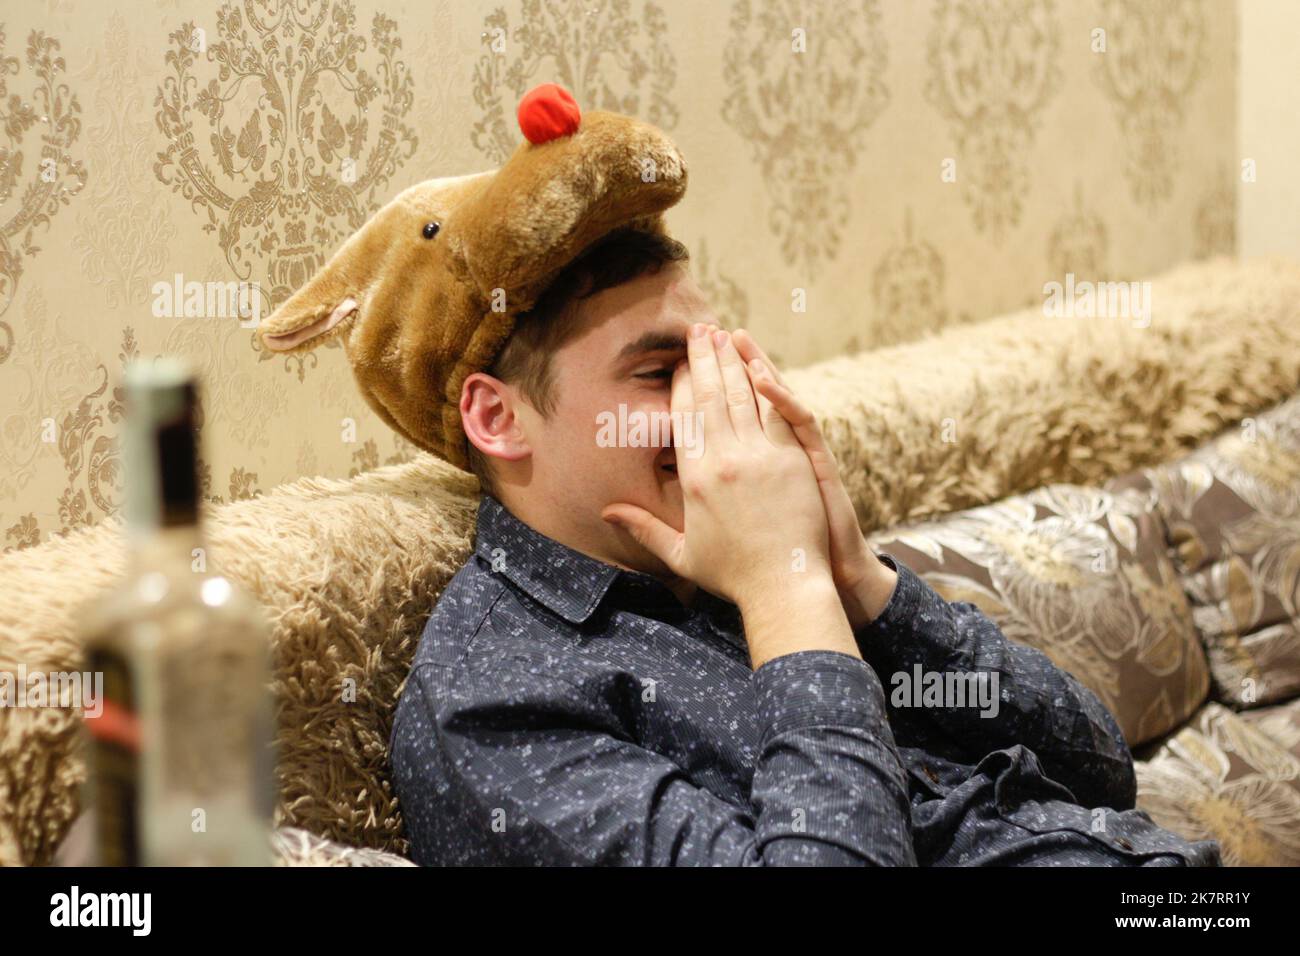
(525, 359)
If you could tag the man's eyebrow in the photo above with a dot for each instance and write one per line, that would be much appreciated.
(653, 342)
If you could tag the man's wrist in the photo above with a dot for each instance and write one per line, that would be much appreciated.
(800, 613)
(867, 598)
(791, 587)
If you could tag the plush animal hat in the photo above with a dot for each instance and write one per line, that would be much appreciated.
(428, 290)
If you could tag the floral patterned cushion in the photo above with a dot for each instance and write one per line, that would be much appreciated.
(1084, 576)
(1221, 778)
(1232, 509)
(1280, 723)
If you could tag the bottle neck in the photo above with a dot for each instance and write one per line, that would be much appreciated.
(160, 455)
(160, 450)
(160, 548)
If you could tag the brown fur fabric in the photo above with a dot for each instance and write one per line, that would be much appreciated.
(417, 314)
(351, 569)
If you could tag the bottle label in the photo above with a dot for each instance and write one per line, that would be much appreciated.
(115, 762)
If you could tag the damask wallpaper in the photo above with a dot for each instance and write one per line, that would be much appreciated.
(891, 166)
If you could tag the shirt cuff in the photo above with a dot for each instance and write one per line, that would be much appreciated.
(816, 689)
(905, 632)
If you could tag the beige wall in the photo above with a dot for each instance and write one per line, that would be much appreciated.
(129, 160)
(1268, 106)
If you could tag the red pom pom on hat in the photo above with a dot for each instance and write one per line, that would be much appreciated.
(548, 112)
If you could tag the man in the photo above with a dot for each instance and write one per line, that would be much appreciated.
(666, 655)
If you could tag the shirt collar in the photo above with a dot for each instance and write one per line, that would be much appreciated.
(566, 581)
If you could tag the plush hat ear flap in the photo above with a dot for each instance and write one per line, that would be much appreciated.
(322, 307)
(307, 336)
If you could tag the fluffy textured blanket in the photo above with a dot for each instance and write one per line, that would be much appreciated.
(349, 570)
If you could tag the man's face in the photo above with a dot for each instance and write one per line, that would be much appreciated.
(631, 338)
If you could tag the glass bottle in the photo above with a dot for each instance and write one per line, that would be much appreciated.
(180, 759)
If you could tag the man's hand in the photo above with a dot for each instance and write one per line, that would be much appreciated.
(863, 582)
(750, 499)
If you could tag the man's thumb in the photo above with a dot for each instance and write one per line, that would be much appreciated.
(652, 534)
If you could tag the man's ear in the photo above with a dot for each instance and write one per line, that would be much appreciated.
(489, 416)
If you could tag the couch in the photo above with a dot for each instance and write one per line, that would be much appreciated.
(1121, 495)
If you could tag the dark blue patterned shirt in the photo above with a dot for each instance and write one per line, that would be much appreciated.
(562, 711)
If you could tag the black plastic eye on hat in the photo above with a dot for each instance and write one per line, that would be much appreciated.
(431, 229)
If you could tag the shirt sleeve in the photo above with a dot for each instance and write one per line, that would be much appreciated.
(1075, 737)
(498, 764)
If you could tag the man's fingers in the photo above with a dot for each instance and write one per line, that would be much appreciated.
(793, 410)
(740, 394)
(776, 426)
(687, 422)
(801, 420)
(706, 384)
(659, 539)
(749, 350)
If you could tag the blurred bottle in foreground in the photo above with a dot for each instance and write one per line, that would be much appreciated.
(180, 759)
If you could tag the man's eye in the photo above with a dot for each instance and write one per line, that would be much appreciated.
(663, 373)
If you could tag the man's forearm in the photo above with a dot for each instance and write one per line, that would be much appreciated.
(802, 613)
(1034, 702)
(829, 787)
